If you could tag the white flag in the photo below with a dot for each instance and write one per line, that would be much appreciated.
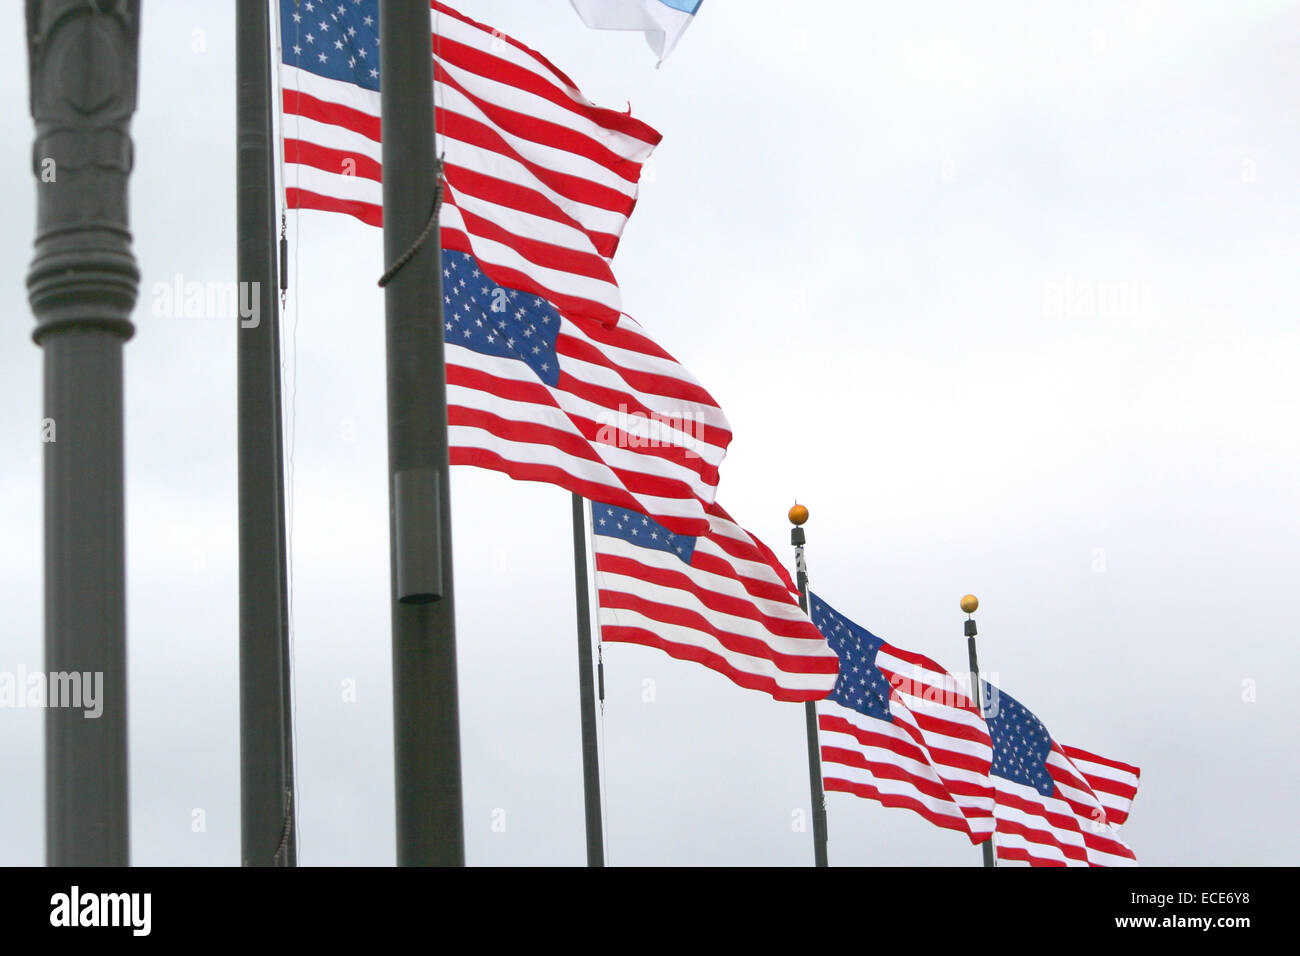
(663, 21)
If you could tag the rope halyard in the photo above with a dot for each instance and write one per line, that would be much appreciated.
(288, 826)
(289, 835)
(432, 224)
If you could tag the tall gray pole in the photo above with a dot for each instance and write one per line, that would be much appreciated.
(426, 724)
(265, 733)
(970, 604)
(798, 515)
(587, 690)
(82, 288)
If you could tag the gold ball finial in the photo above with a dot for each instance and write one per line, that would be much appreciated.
(798, 514)
(970, 604)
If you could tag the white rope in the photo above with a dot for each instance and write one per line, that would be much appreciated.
(604, 763)
(291, 411)
(600, 659)
(437, 49)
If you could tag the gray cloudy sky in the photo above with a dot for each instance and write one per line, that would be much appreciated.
(1007, 296)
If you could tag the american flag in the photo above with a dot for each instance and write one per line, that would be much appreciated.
(542, 398)
(540, 181)
(899, 729)
(1047, 813)
(1114, 783)
(720, 599)
(547, 380)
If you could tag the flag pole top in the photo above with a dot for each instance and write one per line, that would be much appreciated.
(798, 514)
(970, 604)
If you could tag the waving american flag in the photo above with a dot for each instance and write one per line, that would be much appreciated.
(547, 379)
(899, 729)
(721, 599)
(540, 181)
(1047, 811)
(1114, 782)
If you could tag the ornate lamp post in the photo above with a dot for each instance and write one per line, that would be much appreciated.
(82, 287)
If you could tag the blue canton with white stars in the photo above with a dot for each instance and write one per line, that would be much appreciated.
(339, 40)
(489, 318)
(861, 686)
(634, 527)
(1020, 741)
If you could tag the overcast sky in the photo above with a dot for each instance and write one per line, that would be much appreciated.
(1006, 296)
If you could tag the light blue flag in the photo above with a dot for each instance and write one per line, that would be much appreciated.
(662, 21)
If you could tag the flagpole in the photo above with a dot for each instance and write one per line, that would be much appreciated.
(970, 604)
(587, 690)
(426, 722)
(82, 287)
(265, 729)
(799, 515)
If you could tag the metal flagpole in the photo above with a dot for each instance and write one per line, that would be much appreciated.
(970, 604)
(799, 515)
(266, 756)
(82, 287)
(426, 723)
(586, 689)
